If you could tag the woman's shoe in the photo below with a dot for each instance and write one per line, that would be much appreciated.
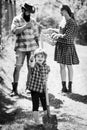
(64, 89)
(70, 87)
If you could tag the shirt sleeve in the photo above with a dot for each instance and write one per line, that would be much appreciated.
(69, 30)
(35, 28)
(15, 24)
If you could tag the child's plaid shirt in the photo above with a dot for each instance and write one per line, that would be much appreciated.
(25, 41)
(38, 75)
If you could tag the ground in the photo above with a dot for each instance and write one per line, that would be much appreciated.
(70, 109)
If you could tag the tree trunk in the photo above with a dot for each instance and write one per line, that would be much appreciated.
(0, 19)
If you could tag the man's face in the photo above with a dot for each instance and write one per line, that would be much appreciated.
(27, 13)
(26, 16)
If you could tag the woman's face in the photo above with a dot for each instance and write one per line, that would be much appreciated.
(63, 13)
(40, 58)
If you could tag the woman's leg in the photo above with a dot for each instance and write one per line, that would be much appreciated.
(63, 77)
(70, 72)
(70, 77)
(63, 72)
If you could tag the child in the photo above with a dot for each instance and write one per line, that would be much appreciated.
(37, 82)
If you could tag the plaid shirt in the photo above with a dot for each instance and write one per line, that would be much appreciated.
(38, 75)
(69, 31)
(25, 41)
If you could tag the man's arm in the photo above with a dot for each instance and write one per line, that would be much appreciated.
(19, 30)
(16, 29)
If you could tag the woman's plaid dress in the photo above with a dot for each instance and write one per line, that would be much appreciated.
(65, 51)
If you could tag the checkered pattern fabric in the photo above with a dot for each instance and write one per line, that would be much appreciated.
(38, 75)
(65, 51)
(69, 31)
(26, 40)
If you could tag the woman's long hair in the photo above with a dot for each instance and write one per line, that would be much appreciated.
(67, 8)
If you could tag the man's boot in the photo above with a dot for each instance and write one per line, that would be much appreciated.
(70, 86)
(14, 90)
(64, 89)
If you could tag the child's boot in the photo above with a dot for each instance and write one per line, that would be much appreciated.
(36, 117)
(70, 86)
(64, 89)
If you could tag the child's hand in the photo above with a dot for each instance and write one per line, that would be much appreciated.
(32, 61)
(44, 82)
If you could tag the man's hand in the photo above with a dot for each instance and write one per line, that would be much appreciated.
(19, 30)
(28, 25)
(37, 41)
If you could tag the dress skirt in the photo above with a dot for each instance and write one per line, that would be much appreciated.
(66, 54)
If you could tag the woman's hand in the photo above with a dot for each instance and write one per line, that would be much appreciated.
(56, 36)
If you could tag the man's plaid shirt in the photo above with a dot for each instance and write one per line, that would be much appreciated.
(25, 41)
(38, 75)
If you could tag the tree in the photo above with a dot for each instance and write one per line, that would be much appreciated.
(0, 18)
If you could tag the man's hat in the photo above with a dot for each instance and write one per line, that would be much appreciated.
(29, 8)
(40, 51)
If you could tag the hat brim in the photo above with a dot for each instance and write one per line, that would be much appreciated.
(30, 11)
(40, 53)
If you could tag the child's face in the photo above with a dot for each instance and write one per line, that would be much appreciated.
(40, 58)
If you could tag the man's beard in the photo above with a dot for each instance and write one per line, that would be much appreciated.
(26, 17)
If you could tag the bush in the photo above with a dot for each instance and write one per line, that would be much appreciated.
(82, 34)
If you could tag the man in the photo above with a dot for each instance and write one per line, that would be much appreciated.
(25, 29)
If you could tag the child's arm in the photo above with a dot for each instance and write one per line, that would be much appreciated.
(46, 75)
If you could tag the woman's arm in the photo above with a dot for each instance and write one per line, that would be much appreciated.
(70, 29)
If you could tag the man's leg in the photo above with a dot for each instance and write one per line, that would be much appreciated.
(29, 68)
(20, 56)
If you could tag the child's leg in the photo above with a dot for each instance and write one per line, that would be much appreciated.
(35, 103)
(43, 102)
(36, 117)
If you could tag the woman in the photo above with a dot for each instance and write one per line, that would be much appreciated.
(65, 52)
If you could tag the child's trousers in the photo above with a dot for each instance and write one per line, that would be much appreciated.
(35, 100)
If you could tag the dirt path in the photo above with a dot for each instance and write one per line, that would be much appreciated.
(71, 109)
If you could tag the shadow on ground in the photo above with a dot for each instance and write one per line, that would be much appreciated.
(5, 103)
(17, 114)
(56, 103)
(5, 117)
(78, 97)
